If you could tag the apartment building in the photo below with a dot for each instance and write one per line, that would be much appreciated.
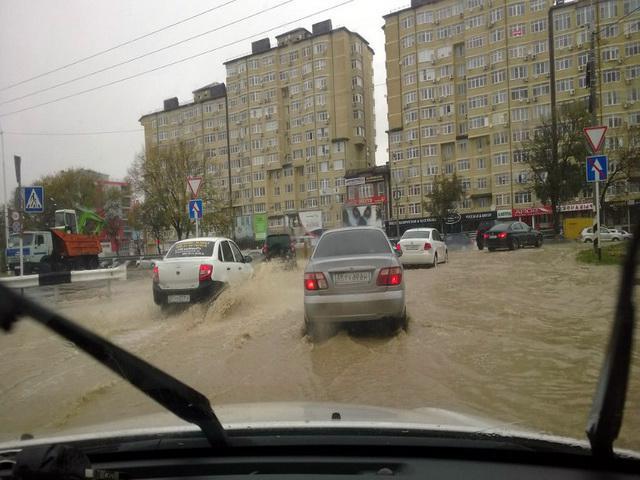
(301, 114)
(469, 80)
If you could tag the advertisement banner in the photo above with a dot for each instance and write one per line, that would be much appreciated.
(311, 222)
(260, 226)
(367, 200)
(362, 215)
(244, 228)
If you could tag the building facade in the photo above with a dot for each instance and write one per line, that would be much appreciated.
(279, 137)
(469, 80)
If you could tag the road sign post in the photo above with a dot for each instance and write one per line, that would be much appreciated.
(195, 212)
(597, 169)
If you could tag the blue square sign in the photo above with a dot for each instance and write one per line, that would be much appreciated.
(195, 208)
(34, 199)
(597, 168)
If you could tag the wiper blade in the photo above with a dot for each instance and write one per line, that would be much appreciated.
(177, 397)
(605, 418)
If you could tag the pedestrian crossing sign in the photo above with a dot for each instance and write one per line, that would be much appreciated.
(34, 199)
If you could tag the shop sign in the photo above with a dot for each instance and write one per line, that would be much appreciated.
(503, 213)
(480, 215)
(452, 218)
(575, 207)
(374, 179)
(414, 221)
(530, 211)
(354, 181)
(367, 200)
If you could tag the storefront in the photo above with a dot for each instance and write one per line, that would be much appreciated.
(537, 217)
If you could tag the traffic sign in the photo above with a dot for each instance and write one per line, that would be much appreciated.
(396, 194)
(193, 183)
(15, 216)
(34, 199)
(16, 227)
(597, 168)
(595, 137)
(195, 208)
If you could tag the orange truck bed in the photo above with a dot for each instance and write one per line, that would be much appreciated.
(74, 245)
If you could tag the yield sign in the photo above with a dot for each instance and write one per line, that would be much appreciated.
(194, 185)
(595, 137)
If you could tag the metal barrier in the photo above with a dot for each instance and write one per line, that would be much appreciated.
(59, 278)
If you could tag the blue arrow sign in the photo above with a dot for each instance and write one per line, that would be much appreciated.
(195, 208)
(597, 168)
(34, 199)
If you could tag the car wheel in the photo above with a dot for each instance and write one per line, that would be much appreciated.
(538, 243)
(588, 240)
(615, 239)
(158, 298)
(512, 244)
(491, 249)
(316, 332)
(435, 261)
(446, 256)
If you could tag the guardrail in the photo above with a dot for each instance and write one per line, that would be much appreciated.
(60, 278)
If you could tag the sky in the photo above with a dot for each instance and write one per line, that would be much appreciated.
(38, 36)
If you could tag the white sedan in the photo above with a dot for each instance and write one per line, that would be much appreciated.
(423, 246)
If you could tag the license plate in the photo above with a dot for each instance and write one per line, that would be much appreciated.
(492, 236)
(412, 247)
(351, 277)
(178, 298)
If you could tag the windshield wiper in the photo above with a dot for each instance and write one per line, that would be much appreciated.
(177, 397)
(607, 409)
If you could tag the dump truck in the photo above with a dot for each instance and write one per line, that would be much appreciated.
(72, 244)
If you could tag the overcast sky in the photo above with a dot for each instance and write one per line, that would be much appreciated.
(39, 36)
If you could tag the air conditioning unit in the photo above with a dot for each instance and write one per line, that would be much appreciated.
(526, 58)
(580, 45)
(485, 68)
(620, 61)
(572, 92)
(493, 107)
(627, 36)
(625, 105)
(580, 68)
(528, 100)
(570, 47)
(436, 21)
(535, 99)
(525, 79)
(450, 77)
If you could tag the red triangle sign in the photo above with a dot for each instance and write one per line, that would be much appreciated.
(194, 185)
(595, 137)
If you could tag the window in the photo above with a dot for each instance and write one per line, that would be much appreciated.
(521, 93)
(499, 97)
(477, 41)
(500, 138)
(407, 41)
(609, 76)
(522, 197)
(479, 101)
(407, 22)
(497, 35)
(540, 68)
(563, 41)
(464, 165)
(541, 89)
(478, 122)
(499, 76)
(501, 159)
(477, 82)
(410, 78)
(425, 37)
(338, 164)
(611, 98)
(503, 199)
(430, 170)
(497, 56)
(430, 150)
(562, 21)
(519, 72)
(610, 53)
(564, 63)
(584, 15)
(415, 208)
(538, 26)
(631, 49)
(516, 9)
(608, 9)
(496, 14)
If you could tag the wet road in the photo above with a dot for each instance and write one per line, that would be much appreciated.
(516, 336)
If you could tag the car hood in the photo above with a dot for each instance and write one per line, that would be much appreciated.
(301, 415)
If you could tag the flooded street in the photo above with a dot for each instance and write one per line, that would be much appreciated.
(514, 336)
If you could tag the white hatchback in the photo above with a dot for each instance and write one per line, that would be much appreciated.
(423, 246)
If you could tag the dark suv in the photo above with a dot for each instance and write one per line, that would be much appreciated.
(279, 245)
(482, 228)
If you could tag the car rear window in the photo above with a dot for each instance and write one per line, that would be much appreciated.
(501, 227)
(191, 248)
(418, 234)
(278, 240)
(352, 242)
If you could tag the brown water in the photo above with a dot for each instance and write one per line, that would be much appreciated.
(516, 336)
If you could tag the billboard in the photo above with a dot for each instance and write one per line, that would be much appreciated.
(260, 226)
(244, 228)
(362, 215)
(311, 222)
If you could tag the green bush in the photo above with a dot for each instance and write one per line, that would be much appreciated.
(612, 254)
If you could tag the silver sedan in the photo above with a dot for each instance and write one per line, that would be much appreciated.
(353, 275)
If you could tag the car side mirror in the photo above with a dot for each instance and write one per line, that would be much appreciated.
(247, 259)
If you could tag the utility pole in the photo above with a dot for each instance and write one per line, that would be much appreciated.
(591, 83)
(6, 206)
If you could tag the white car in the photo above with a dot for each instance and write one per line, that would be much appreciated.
(197, 269)
(606, 235)
(422, 246)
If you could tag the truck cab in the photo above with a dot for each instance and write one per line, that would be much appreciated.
(37, 246)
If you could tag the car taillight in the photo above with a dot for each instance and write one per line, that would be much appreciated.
(502, 235)
(427, 246)
(156, 274)
(265, 249)
(398, 247)
(315, 281)
(486, 236)
(205, 272)
(390, 276)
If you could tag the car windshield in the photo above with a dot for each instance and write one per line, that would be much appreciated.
(298, 206)
(422, 234)
(352, 242)
(191, 248)
(14, 240)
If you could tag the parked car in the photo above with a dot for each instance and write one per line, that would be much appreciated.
(197, 269)
(512, 235)
(279, 245)
(458, 241)
(484, 226)
(353, 275)
(606, 235)
(423, 246)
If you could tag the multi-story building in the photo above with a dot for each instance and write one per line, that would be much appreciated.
(300, 114)
(469, 80)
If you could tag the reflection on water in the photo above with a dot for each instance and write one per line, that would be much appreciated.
(514, 336)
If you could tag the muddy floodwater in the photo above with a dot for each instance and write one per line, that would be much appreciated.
(514, 336)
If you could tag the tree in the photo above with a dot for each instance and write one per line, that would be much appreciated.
(559, 177)
(113, 217)
(216, 217)
(625, 160)
(446, 192)
(160, 177)
(66, 189)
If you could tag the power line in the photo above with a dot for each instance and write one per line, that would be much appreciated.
(110, 67)
(110, 49)
(166, 65)
(60, 134)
